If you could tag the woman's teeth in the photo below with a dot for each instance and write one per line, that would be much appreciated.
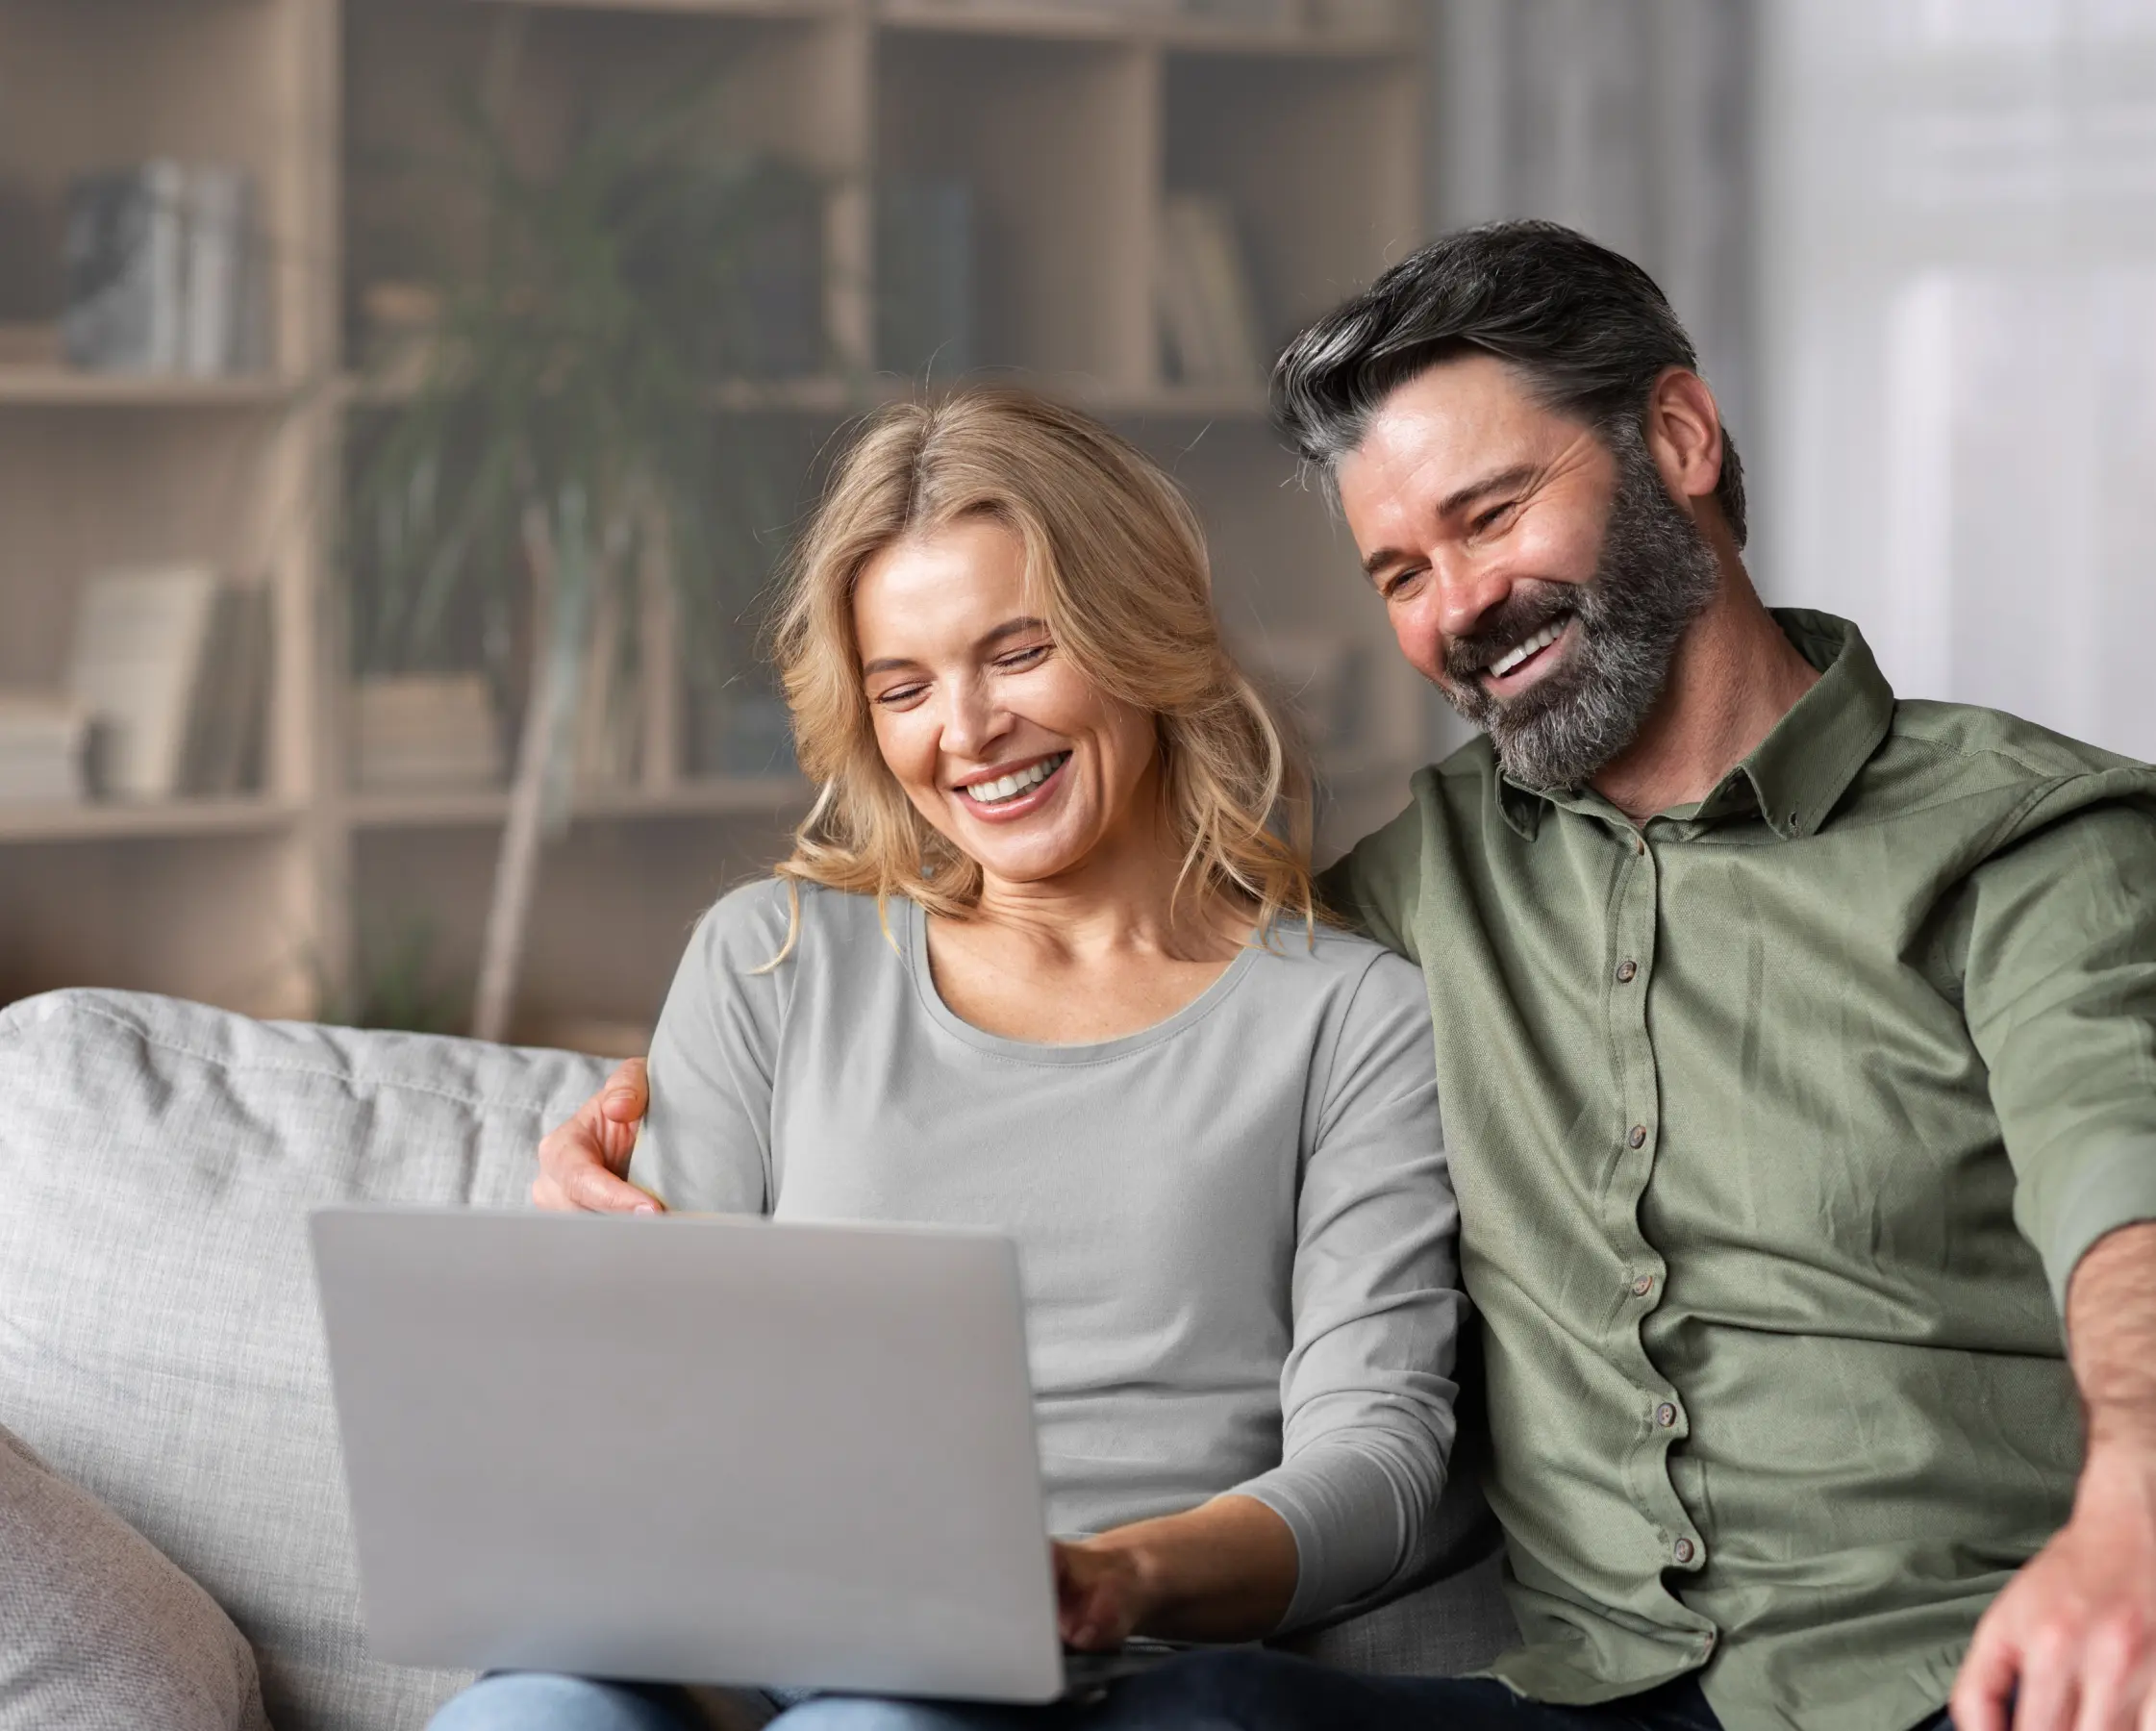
(1018, 781)
(1541, 640)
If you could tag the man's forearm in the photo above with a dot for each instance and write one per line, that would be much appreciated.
(2110, 1336)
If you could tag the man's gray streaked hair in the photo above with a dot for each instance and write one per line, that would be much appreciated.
(1586, 327)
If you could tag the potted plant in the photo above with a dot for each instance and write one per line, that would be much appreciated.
(556, 457)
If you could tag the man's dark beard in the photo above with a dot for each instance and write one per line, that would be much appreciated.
(1655, 575)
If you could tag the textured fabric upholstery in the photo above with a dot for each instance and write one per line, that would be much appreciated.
(98, 1627)
(159, 1338)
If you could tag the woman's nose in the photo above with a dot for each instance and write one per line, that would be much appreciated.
(972, 720)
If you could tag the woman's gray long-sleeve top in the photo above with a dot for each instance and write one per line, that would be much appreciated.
(1235, 1229)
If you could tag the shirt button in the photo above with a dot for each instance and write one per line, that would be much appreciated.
(1686, 1550)
(1666, 1414)
(1638, 1136)
(1626, 972)
(1643, 1285)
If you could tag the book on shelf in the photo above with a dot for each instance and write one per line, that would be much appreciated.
(164, 271)
(42, 742)
(426, 733)
(170, 664)
(1209, 329)
(926, 266)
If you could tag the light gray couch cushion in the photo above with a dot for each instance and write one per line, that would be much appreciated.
(98, 1627)
(159, 1338)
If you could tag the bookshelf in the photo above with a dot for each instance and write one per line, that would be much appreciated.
(1069, 124)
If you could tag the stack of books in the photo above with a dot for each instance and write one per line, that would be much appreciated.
(41, 746)
(426, 733)
(166, 272)
(169, 665)
(1210, 326)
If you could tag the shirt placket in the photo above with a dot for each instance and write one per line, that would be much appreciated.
(1641, 1273)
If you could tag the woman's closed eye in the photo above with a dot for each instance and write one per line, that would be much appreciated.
(899, 696)
(1018, 660)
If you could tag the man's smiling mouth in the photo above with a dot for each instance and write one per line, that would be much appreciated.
(1521, 654)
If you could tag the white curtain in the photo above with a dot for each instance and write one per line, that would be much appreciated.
(1628, 119)
(1958, 344)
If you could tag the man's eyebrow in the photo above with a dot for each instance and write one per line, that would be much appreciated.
(1010, 628)
(1459, 500)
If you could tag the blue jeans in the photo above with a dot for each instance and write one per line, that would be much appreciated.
(1238, 1690)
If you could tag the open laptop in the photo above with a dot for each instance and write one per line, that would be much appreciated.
(700, 1450)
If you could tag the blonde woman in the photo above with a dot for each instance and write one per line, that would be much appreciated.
(1044, 959)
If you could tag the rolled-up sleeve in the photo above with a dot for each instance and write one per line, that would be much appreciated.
(2060, 992)
(1366, 1394)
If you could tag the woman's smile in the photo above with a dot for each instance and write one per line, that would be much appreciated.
(1000, 794)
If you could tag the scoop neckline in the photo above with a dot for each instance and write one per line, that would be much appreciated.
(1037, 1051)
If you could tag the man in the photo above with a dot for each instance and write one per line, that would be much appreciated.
(1799, 1055)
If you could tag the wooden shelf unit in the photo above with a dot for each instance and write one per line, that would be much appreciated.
(1071, 123)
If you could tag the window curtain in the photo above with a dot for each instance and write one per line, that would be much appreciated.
(1956, 266)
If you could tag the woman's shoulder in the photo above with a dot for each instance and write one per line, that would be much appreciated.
(1332, 952)
(749, 926)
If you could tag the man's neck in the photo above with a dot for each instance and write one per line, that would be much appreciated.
(1735, 675)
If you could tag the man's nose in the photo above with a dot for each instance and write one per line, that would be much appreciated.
(1466, 591)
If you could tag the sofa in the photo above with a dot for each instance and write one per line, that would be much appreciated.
(159, 1347)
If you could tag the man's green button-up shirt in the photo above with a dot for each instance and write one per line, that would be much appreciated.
(1778, 1124)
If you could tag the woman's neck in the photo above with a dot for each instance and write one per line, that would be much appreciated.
(1121, 898)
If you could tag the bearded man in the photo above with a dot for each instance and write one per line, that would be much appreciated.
(1797, 1047)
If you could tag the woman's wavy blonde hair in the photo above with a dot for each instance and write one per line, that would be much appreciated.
(1118, 565)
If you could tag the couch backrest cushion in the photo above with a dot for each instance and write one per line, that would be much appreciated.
(160, 1342)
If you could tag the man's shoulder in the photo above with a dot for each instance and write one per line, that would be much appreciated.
(1935, 752)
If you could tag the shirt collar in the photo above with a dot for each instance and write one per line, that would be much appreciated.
(1797, 773)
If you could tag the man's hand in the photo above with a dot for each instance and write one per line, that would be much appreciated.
(2071, 1644)
(582, 1162)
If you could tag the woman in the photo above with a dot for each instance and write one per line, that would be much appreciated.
(1044, 959)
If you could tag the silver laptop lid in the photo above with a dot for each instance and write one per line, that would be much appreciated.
(700, 1450)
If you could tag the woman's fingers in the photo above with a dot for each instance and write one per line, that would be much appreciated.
(582, 1162)
(1096, 1598)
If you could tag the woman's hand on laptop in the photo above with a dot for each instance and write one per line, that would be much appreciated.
(1222, 1571)
(582, 1163)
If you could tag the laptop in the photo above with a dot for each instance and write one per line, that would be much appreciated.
(705, 1450)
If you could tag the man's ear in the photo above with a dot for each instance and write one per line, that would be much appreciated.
(1684, 433)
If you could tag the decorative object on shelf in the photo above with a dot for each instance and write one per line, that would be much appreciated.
(560, 458)
(1209, 329)
(43, 739)
(426, 731)
(164, 272)
(926, 272)
(169, 664)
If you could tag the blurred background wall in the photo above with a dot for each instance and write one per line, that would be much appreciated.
(265, 679)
